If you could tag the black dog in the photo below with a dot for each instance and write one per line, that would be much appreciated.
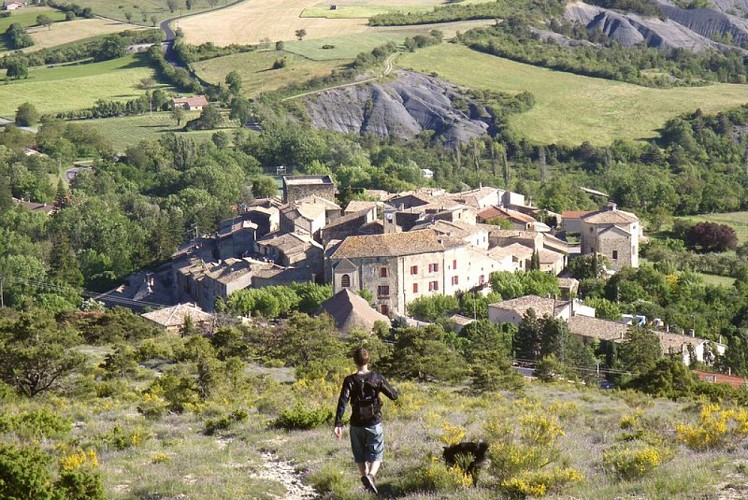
(467, 453)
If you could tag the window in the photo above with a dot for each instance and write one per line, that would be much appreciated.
(385, 310)
(345, 281)
(455, 280)
(615, 254)
(383, 291)
(434, 268)
(433, 286)
(592, 229)
(413, 270)
(481, 279)
(415, 287)
(383, 272)
(454, 264)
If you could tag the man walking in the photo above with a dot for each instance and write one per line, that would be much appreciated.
(367, 437)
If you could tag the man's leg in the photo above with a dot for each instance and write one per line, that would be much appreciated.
(363, 468)
(374, 467)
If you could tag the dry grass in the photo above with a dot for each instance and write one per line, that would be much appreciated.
(72, 31)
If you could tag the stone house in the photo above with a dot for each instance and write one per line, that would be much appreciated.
(205, 281)
(614, 234)
(303, 218)
(351, 224)
(293, 250)
(235, 237)
(14, 4)
(400, 267)
(512, 311)
(571, 220)
(296, 187)
(193, 103)
(173, 318)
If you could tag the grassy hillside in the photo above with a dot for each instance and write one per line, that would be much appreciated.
(73, 31)
(737, 220)
(158, 8)
(129, 130)
(569, 108)
(73, 87)
(256, 69)
(27, 17)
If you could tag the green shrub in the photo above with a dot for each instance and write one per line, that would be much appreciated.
(152, 406)
(35, 424)
(303, 418)
(24, 472)
(333, 480)
(213, 425)
(540, 483)
(121, 439)
(435, 475)
(80, 484)
(631, 463)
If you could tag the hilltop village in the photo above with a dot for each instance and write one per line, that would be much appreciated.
(398, 247)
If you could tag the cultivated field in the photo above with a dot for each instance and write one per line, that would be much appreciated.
(129, 130)
(67, 88)
(257, 73)
(351, 9)
(27, 17)
(73, 31)
(570, 108)
(143, 10)
(349, 46)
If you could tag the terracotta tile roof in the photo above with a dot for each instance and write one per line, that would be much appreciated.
(175, 316)
(492, 212)
(228, 271)
(345, 219)
(574, 214)
(193, 101)
(597, 328)
(517, 250)
(308, 211)
(289, 243)
(461, 320)
(455, 229)
(45, 208)
(541, 305)
(721, 378)
(314, 199)
(549, 256)
(395, 244)
(610, 217)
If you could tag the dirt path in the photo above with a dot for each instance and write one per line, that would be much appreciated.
(389, 65)
(282, 472)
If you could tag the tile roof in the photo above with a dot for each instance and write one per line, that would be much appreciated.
(515, 250)
(492, 212)
(227, 271)
(314, 199)
(192, 101)
(610, 217)
(574, 214)
(455, 229)
(175, 316)
(359, 205)
(395, 244)
(541, 305)
(45, 208)
(288, 243)
(597, 328)
(350, 312)
(549, 256)
(309, 211)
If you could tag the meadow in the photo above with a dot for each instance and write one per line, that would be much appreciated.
(257, 72)
(72, 31)
(27, 17)
(363, 10)
(129, 130)
(71, 87)
(142, 11)
(571, 109)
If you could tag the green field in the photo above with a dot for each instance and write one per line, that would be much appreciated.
(569, 108)
(715, 280)
(158, 8)
(129, 130)
(27, 17)
(67, 88)
(367, 11)
(257, 73)
(736, 220)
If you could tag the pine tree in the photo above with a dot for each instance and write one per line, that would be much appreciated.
(63, 263)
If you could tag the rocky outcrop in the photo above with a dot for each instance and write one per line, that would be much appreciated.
(404, 107)
(709, 23)
(632, 29)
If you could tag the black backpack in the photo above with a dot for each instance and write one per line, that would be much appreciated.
(366, 403)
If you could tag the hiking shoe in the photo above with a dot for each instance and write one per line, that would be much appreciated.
(368, 482)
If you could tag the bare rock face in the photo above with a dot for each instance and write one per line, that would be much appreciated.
(710, 23)
(403, 108)
(633, 29)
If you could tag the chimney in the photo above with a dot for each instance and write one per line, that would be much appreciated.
(692, 332)
(667, 328)
(611, 206)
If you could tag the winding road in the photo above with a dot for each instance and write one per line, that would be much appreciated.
(389, 65)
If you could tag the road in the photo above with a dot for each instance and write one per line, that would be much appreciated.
(4, 122)
(389, 65)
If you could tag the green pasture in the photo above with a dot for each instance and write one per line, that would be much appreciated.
(139, 9)
(366, 11)
(257, 73)
(570, 108)
(129, 130)
(716, 280)
(71, 87)
(736, 220)
(27, 17)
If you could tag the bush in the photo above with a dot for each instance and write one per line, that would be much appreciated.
(152, 406)
(540, 483)
(717, 428)
(632, 463)
(213, 425)
(121, 439)
(331, 479)
(435, 475)
(79, 478)
(710, 237)
(24, 472)
(302, 418)
(41, 423)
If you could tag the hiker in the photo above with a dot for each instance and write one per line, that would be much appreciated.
(367, 436)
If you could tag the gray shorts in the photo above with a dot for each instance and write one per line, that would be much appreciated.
(367, 443)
